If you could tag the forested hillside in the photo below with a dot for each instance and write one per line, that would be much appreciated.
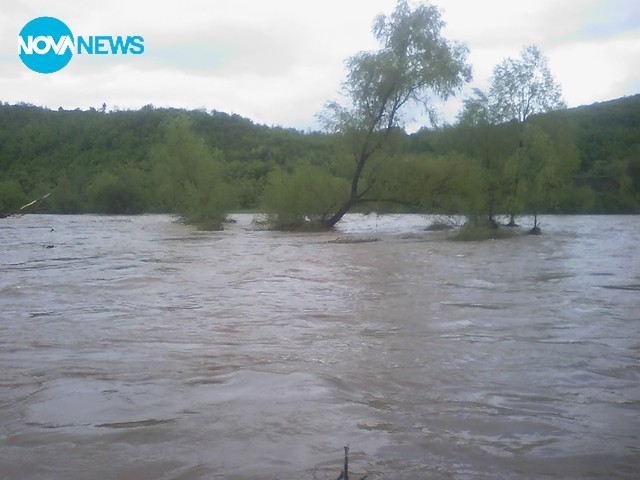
(170, 160)
(110, 162)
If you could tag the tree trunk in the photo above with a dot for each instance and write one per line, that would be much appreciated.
(536, 229)
(331, 222)
(353, 196)
(346, 463)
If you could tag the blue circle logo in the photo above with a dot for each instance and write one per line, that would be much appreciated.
(45, 45)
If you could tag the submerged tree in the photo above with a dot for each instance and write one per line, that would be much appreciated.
(306, 196)
(520, 88)
(414, 63)
(190, 176)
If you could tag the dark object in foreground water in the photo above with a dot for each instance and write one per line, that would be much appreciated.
(344, 475)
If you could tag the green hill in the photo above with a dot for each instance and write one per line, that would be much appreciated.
(92, 161)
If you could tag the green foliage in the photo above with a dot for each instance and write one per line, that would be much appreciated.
(190, 176)
(11, 197)
(520, 88)
(520, 178)
(414, 63)
(121, 193)
(447, 183)
(76, 154)
(524, 87)
(588, 161)
(304, 198)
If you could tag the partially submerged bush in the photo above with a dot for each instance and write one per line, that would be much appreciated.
(304, 199)
(191, 176)
(206, 206)
(442, 223)
(479, 229)
(439, 227)
(471, 233)
(210, 223)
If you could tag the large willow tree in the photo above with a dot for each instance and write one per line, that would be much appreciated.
(414, 64)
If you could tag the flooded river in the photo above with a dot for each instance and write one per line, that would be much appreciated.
(137, 348)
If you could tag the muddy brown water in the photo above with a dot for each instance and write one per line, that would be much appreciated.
(138, 348)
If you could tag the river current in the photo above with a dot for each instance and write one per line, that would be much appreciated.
(139, 348)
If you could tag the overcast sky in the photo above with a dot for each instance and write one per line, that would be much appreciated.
(278, 61)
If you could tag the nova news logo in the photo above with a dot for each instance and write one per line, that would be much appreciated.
(46, 45)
